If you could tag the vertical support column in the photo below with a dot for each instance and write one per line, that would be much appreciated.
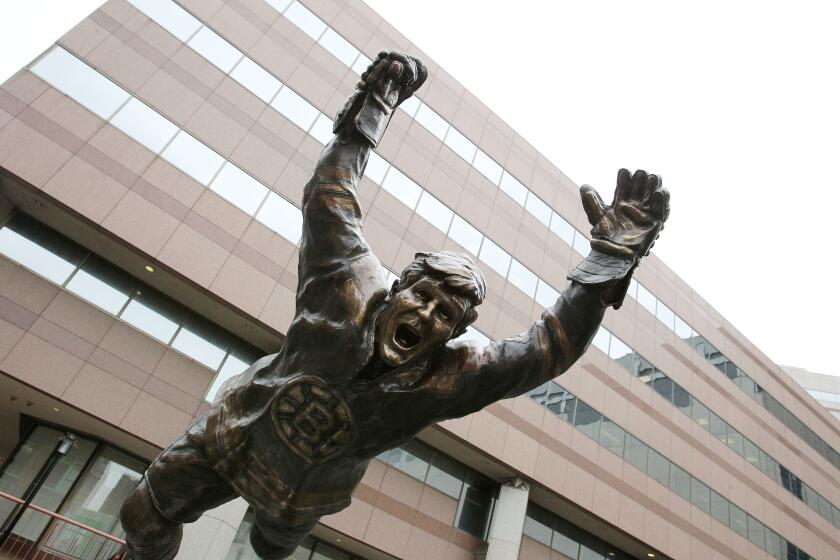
(507, 522)
(210, 537)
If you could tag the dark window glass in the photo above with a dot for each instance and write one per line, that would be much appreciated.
(746, 384)
(738, 520)
(682, 400)
(539, 394)
(412, 458)
(755, 529)
(735, 440)
(700, 414)
(835, 513)
(643, 369)
(751, 453)
(717, 426)
(587, 420)
(446, 475)
(791, 482)
(102, 284)
(719, 508)
(700, 495)
(154, 314)
(663, 385)
(475, 504)
(566, 539)
(538, 524)
(325, 552)
(561, 402)
(658, 467)
(203, 341)
(635, 452)
(680, 482)
(591, 548)
(39, 248)
(612, 436)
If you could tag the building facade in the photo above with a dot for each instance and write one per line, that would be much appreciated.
(153, 162)
(822, 386)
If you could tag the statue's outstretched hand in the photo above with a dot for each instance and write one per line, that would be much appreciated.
(630, 226)
(394, 76)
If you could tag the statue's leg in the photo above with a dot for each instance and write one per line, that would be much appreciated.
(274, 541)
(150, 536)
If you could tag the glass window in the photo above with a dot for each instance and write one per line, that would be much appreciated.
(279, 5)
(738, 520)
(658, 468)
(825, 508)
(717, 426)
(219, 52)
(85, 85)
(460, 144)
(633, 288)
(494, 256)
(591, 548)
(646, 299)
(581, 244)
(361, 65)
(620, 351)
(305, 20)
(735, 440)
(401, 187)
(170, 16)
(144, 125)
(465, 235)
(154, 314)
(376, 168)
(411, 458)
(665, 315)
(681, 328)
(546, 295)
(338, 46)
(680, 482)
(322, 551)
(445, 474)
(239, 188)
(601, 341)
(663, 385)
(409, 105)
(612, 436)
(773, 543)
(513, 188)
(755, 529)
(566, 538)
(587, 420)
(431, 121)
(682, 399)
(322, 129)
(203, 341)
(475, 504)
(700, 414)
(538, 524)
(255, 79)
(435, 212)
(39, 248)
(487, 167)
(635, 452)
(769, 466)
(539, 394)
(238, 360)
(538, 208)
(193, 158)
(719, 507)
(810, 497)
(751, 453)
(561, 402)
(700, 495)
(522, 278)
(102, 284)
(295, 108)
(282, 216)
(562, 228)
(642, 368)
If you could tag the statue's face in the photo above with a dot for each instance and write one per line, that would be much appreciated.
(418, 319)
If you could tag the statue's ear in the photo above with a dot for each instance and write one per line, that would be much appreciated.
(469, 318)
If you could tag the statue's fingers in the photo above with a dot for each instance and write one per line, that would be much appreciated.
(409, 72)
(622, 186)
(657, 205)
(422, 74)
(667, 196)
(592, 204)
(651, 184)
(639, 178)
(379, 68)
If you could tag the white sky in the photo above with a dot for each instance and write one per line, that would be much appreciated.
(734, 103)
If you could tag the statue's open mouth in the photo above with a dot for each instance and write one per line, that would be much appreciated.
(406, 337)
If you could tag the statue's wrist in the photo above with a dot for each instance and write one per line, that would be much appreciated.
(366, 113)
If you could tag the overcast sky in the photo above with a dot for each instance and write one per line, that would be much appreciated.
(734, 103)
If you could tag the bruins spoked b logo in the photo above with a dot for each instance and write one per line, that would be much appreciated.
(313, 419)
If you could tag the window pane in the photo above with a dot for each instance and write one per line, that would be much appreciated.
(717, 426)
(700, 414)
(539, 394)
(281, 216)
(538, 523)
(658, 467)
(144, 125)
(85, 85)
(546, 295)
(295, 108)
(522, 278)
(102, 284)
(643, 369)
(682, 400)
(460, 144)
(562, 228)
(680, 482)
(538, 208)
(612, 436)
(305, 20)
(646, 299)
(239, 188)
(219, 52)
(434, 212)
(665, 315)
(401, 187)
(238, 360)
(339, 47)
(487, 167)
(411, 458)
(620, 351)
(581, 244)
(772, 543)
(601, 341)
(587, 420)
(663, 385)
(361, 65)
(431, 121)
(465, 235)
(203, 341)
(193, 158)
(39, 248)
(681, 328)
(495, 257)
(322, 129)
(751, 453)
(591, 548)
(561, 402)
(720, 508)
(735, 440)
(376, 168)
(635, 452)
(154, 314)
(566, 539)
(755, 528)
(255, 79)
(737, 520)
(513, 188)
(700, 495)
(170, 16)
(475, 505)
(445, 474)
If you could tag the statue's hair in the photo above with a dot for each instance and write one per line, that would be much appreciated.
(458, 271)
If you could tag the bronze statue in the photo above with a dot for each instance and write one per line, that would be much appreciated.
(366, 366)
